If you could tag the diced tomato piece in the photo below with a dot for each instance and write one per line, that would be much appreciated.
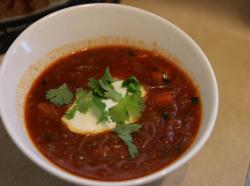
(157, 76)
(164, 99)
(48, 109)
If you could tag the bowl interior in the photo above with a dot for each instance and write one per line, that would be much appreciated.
(92, 21)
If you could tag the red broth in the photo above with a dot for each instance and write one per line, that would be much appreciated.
(170, 121)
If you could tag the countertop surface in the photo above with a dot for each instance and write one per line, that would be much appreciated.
(222, 30)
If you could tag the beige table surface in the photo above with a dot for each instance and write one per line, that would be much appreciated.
(222, 29)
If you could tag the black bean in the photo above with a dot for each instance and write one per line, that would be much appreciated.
(43, 82)
(131, 53)
(195, 100)
(165, 115)
(48, 137)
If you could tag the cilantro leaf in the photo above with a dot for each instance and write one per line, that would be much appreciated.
(83, 99)
(59, 96)
(134, 105)
(99, 86)
(127, 128)
(107, 78)
(99, 106)
(81, 104)
(70, 113)
(103, 87)
(110, 92)
(132, 84)
(96, 87)
(124, 132)
(119, 113)
(131, 105)
(113, 94)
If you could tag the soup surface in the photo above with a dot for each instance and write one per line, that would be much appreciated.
(169, 122)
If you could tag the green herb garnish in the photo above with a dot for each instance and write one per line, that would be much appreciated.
(81, 104)
(132, 84)
(129, 106)
(124, 132)
(195, 100)
(97, 90)
(99, 106)
(134, 105)
(109, 92)
(119, 112)
(103, 87)
(60, 96)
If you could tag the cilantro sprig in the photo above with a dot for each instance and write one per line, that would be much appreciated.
(129, 106)
(99, 106)
(85, 100)
(82, 103)
(60, 96)
(124, 131)
(132, 84)
(103, 87)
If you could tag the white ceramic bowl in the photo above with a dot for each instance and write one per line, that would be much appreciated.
(91, 21)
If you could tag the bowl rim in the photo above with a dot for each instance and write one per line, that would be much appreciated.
(67, 176)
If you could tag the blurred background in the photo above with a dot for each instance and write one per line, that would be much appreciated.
(16, 15)
(222, 29)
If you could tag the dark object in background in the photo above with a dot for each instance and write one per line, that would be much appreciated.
(11, 27)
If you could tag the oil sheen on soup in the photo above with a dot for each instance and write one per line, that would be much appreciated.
(168, 123)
